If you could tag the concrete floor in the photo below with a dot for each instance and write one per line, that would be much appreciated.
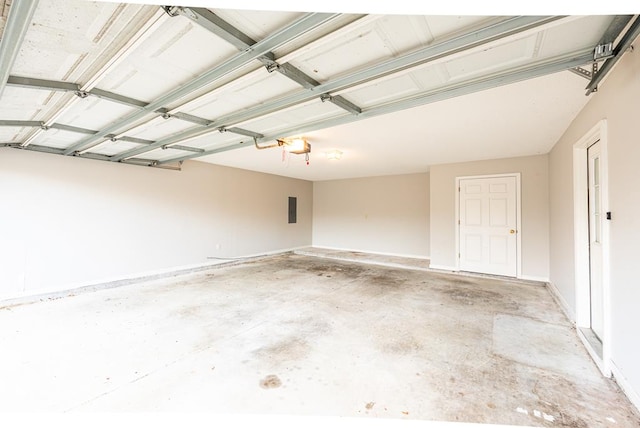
(306, 336)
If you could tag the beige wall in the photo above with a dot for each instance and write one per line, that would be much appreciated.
(617, 101)
(68, 221)
(535, 210)
(388, 214)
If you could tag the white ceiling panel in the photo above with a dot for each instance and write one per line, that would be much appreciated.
(258, 24)
(161, 154)
(68, 41)
(158, 128)
(213, 139)
(110, 148)
(313, 111)
(429, 78)
(58, 138)
(562, 38)
(401, 33)
(339, 25)
(23, 104)
(177, 52)
(94, 113)
(387, 90)
(497, 58)
(366, 46)
(264, 87)
(446, 27)
(11, 134)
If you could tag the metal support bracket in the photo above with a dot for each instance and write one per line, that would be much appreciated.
(271, 67)
(614, 54)
(581, 72)
(602, 52)
(172, 11)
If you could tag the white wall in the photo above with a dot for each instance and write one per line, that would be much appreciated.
(535, 210)
(617, 101)
(388, 214)
(67, 221)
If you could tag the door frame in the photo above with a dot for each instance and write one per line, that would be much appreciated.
(601, 356)
(518, 217)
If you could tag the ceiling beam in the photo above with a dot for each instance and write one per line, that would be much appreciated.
(18, 22)
(213, 23)
(57, 86)
(185, 148)
(218, 26)
(21, 123)
(112, 137)
(506, 28)
(44, 127)
(47, 85)
(167, 143)
(555, 65)
(291, 32)
(624, 44)
(93, 156)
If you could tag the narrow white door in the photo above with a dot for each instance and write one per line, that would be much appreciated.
(595, 239)
(488, 225)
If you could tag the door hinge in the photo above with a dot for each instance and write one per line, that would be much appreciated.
(458, 221)
(458, 255)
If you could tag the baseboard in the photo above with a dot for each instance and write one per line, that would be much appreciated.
(625, 386)
(444, 268)
(555, 293)
(113, 282)
(534, 278)
(409, 256)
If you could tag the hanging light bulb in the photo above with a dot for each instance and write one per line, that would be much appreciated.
(297, 146)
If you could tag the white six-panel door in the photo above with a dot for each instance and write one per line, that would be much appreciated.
(488, 225)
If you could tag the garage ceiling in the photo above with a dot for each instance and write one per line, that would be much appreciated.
(155, 86)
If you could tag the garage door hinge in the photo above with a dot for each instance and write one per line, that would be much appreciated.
(458, 255)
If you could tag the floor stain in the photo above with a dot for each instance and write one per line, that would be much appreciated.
(471, 296)
(403, 346)
(270, 382)
(293, 348)
(476, 296)
(369, 405)
(348, 270)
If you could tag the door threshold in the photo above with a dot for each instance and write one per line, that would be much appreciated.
(594, 347)
(500, 277)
